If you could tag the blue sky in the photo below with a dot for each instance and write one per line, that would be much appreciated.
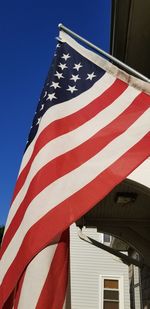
(27, 35)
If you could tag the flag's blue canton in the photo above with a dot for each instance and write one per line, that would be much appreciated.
(70, 75)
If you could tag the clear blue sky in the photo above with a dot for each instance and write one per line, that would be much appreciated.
(27, 36)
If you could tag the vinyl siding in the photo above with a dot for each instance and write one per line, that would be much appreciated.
(88, 263)
(137, 288)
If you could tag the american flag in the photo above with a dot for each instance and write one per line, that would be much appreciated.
(90, 130)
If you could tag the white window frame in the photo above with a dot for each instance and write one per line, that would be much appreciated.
(121, 289)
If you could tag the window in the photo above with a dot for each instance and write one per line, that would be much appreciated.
(111, 292)
(107, 238)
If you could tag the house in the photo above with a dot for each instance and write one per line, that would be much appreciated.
(98, 279)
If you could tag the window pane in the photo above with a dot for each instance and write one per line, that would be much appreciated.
(111, 305)
(114, 295)
(110, 284)
(106, 238)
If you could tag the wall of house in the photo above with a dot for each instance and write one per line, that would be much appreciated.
(135, 292)
(139, 284)
(88, 265)
(145, 281)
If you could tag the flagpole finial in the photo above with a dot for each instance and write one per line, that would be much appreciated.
(60, 25)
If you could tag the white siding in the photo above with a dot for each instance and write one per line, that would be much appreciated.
(136, 288)
(87, 264)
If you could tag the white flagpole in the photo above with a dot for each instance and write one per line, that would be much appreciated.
(117, 61)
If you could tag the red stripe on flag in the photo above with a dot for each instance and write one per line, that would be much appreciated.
(9, 302)
(74, 158)
(54, 291)
(70, 210)
(18, 291)
(71, 122)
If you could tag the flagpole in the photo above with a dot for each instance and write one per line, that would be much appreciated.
(114, 59)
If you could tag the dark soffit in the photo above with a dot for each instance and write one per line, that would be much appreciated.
(130, 33)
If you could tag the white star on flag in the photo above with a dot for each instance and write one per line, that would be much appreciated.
(38, 121)
(63, 66)
(72, 88)
(59, 75)
(75, 77)
(91, 76)
(77, 66)
(65, 56)
(55, 85)
(51, 96)
(45, 94)
(42, 107)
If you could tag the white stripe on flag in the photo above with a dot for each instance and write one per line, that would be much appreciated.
(35, 276)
